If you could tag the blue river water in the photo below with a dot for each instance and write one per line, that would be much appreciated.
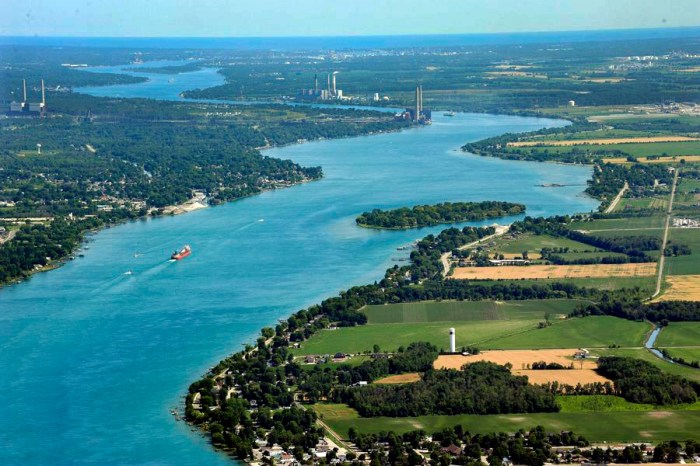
(93, 359)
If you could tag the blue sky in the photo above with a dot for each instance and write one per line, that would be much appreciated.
(241, 18)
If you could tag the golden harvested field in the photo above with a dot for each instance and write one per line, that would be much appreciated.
(518, 358)
(583, 372)
(567, 377)
(400, 378)
(623, 160)
(512, 272)
(533, 256)
(577, 142)
(682, 288)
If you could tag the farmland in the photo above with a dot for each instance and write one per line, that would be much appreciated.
(489, 325)
(555, 271)
(618, 426)
(603, 141)
(680, 334)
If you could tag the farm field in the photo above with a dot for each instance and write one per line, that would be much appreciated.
(625, 426)
(688, 354)
(626, 225)
(633, 149)
(522, 333)
(602, 141)
(680, 334)
(456, 311)
(641, 353)
(555, 271)
(668, 159)
(690, 264)
(642, 203)
(534, 243)
(588, 332)
(681, 288)
(583, 372)
(400, 378)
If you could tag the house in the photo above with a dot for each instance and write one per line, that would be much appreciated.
(452, 449)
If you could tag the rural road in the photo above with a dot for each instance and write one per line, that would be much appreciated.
(662, 258)
(500, 229)
(615, 201)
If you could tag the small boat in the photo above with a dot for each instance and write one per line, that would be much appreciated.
(128, 272)
(449, 114)
(182, 253)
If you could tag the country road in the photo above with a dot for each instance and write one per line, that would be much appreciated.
(500, 229)
(662, 258)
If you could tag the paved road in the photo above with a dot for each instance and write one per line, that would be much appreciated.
(500, 229)
(662, 258)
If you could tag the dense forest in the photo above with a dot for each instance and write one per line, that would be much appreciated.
(479, 388)
(428, 215)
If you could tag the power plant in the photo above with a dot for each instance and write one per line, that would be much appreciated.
(453, 346)
(330, 92)
(417, 113)
(25, 108)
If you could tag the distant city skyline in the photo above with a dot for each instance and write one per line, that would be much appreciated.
(278, 18)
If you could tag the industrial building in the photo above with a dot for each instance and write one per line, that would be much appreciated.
(26, 108)
(329, 93)
(417, 114)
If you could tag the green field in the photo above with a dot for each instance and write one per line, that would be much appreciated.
(626, 426)
(600, 331)
(462, 311)
(680, 334)
(641, 353)
(690, 264)
(486, 324)
(688, 354)
(642, 203)
(572, 256)
(643, 149)
(534, 243)
(628, 225)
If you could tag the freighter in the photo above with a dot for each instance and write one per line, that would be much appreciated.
(182, 253)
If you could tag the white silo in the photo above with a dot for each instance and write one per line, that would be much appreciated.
(452, 341)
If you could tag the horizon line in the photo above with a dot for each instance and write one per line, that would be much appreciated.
(669, 28)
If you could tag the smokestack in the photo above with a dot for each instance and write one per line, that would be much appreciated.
(43, 94)
(421, 98)
(24, 87)
(415, 118)
(453, 346)
(335, 92)
(328, 78)
(316, 83)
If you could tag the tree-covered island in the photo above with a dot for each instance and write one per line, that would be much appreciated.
(429, 215)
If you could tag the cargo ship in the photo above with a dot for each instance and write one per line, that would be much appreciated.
(182, 253)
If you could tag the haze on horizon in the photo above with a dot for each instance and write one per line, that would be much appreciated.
(275, 18)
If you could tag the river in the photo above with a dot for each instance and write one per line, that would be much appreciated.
(92, 359)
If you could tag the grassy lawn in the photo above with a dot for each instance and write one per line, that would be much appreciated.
(586, 332)
(690, 264)
(680, 334)
(630, 426)
(462, 311)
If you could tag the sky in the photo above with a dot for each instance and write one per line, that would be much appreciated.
(269, 18)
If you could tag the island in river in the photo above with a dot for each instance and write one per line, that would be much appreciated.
(430, 215)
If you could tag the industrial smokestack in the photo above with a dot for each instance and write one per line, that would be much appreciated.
(316, 83)
(415, 117)
(24, 88)
(453, 346)
(335, 91)
(328, 78)
(420, 102)
(43, 94)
